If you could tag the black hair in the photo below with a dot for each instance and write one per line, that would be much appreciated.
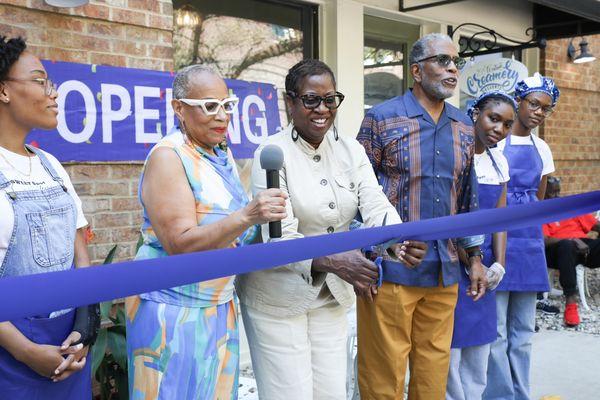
(495, 98)
(303, 69)
(10, 51)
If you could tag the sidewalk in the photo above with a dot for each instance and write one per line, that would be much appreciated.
(565, 364)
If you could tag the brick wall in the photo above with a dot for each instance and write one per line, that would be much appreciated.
(122, 33)
(573, 131)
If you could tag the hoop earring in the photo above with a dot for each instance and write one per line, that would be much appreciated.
(294, 134)
(335, 133)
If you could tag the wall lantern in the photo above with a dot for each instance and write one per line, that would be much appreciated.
(66, 3)
(187, 17)
(584, 53)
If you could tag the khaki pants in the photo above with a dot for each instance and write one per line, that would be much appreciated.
(405, 323)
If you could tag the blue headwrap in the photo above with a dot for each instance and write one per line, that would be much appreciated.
(537, 83)
(495, 93)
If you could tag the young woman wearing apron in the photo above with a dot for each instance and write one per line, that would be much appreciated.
(530, 161)
(475, 322)
(42, 357)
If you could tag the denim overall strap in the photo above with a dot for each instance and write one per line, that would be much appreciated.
(47, 165)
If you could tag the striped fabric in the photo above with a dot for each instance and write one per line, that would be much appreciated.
(426, 170)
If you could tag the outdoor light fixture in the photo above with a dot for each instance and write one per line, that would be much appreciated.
(584, 53)
(66, 3)
(187, 16)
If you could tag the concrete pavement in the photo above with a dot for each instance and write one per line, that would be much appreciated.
(565, 364)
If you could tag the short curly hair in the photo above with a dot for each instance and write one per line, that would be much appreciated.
(10, 51)
(304, 69)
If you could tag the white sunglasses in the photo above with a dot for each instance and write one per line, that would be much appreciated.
(211, 106)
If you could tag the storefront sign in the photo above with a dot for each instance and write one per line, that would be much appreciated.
(117, 114)
(496, 74)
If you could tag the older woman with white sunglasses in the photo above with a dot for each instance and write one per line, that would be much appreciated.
(182, 342)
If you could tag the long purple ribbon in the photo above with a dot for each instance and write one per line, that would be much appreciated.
(43, 293)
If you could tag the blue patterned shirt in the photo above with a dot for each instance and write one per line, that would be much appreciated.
(426, 170)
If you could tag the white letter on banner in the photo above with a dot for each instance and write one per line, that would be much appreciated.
(234, 126)
(89, 123)
(261, 122)
(142, 114)
(170, 114)
(108, 114)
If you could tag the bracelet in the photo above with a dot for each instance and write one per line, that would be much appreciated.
(475, 253)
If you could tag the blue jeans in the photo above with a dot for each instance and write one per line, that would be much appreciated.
(468, 372)
(510, 356)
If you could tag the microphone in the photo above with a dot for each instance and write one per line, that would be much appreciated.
(271, 160)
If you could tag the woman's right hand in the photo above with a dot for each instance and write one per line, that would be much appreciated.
(266, 206)
(43, 359)
(352, 267)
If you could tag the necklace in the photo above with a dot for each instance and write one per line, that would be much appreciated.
(15, 168)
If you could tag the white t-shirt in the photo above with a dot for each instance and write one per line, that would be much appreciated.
(542, 147)
(484, 168)
(39, 179)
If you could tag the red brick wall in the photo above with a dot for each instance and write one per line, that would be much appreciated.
(573, 131)
(123, 33)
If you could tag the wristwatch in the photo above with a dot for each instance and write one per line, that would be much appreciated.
(475, 253)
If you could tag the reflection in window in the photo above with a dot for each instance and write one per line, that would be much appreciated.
(383, 71)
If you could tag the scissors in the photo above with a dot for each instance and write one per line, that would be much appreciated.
(376, 253)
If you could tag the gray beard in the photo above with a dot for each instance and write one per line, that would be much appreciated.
(437, 90)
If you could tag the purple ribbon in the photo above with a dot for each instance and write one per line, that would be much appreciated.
(43, 293)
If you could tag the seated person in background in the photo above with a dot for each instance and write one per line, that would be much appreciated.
(568, 243)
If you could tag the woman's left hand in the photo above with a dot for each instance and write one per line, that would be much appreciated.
(410, 252)
(75, 357)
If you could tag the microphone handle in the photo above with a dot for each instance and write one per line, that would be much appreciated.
(273, 182)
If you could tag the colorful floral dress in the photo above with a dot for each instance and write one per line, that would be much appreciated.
(182, 342)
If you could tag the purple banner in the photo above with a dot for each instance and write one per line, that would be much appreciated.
(117, 114)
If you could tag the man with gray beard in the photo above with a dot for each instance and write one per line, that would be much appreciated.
(421, 149)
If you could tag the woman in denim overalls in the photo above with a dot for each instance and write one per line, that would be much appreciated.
(41, 357)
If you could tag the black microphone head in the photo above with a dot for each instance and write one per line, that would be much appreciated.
(271, 158)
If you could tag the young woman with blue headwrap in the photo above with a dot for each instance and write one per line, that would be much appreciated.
(530, 162)
(493, 114)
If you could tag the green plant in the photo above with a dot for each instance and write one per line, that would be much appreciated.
(109, 353)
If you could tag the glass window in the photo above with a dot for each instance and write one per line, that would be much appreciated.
(385, 58)
(251, 40)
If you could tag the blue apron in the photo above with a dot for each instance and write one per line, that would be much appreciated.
(475, 321)
(42, 240)
(525, 259)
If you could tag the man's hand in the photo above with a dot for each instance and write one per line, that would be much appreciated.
(409, 252)
(478, 279)
(593, 235)
(352, 267)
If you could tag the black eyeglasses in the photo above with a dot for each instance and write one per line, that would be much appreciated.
(47, 83)
(444, 60)
(534, 106)
(311, 101)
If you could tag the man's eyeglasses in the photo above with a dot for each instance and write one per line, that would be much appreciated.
(47, 83)
(311, 101)
(444, 60)
(534, 106)
(211, 106)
